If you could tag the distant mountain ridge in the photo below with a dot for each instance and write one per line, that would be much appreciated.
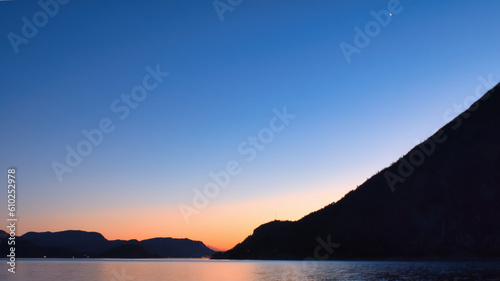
(439, 201)
(79, 244)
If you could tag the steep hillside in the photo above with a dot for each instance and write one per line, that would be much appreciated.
(438, 201)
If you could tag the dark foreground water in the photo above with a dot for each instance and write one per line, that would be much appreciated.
(217, 270)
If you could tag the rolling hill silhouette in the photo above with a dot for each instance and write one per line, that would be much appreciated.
(439, 201)
(82, 244)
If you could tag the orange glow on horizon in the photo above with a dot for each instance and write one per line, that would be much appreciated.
(221, 225)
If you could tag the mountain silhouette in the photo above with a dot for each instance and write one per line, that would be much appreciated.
(82, 244)
(439, 201)
(81, 241)
(181, 248)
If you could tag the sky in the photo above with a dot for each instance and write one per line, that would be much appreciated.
(117, 115)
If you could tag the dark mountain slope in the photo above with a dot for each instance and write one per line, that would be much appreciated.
(438, 201)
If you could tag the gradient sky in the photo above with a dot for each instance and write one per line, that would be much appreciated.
(226, 77)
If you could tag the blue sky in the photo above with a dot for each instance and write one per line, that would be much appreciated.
(226, 77)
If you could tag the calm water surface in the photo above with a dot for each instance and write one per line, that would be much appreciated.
(217, 270)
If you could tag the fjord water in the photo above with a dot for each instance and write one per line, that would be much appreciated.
(216, 270)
